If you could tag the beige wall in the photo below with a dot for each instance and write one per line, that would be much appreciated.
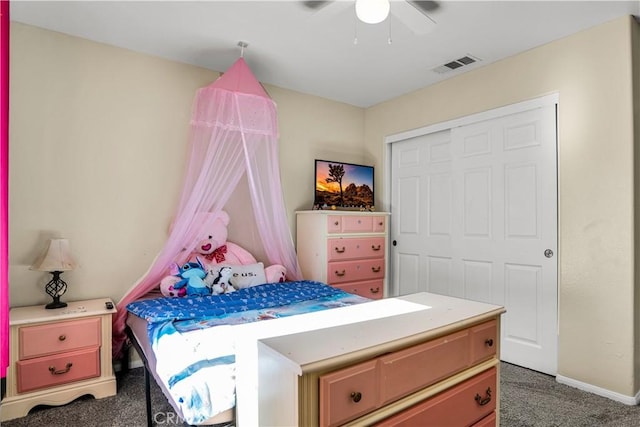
(98, 139)
(591, 71)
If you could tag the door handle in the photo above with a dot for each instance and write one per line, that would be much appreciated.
(548, 253)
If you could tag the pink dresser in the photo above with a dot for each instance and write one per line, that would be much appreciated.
(346, 249)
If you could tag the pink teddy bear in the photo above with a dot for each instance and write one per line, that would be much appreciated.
(214, 248)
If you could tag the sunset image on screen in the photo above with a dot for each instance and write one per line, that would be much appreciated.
(343, 184)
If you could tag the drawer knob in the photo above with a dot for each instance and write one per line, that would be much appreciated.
(338, 250)
(67, 368)
(356, 396)
(484, 401)
(340, 274)
(62, 337)
(374, 291)
(336, 223)
(375, 248)
(488, 342)
(376, 269)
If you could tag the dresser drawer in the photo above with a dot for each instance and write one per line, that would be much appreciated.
(355, 248)
(462, 405)
(58, 369)
(351, 271)
(484, 340)
(417, 367)
(379, 224)
(488, 421)
(370, 289)
(45, 339)
(356, 224)
(348, 393)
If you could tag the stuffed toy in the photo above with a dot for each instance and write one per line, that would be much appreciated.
(167, 289)
(213, 248)
(191, 275)
(221, 283)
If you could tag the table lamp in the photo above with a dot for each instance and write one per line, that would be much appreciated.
(56, 259)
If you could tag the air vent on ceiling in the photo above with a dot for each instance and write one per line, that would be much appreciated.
(454, 65)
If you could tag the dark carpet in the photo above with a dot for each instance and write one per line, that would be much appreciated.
(528, 399)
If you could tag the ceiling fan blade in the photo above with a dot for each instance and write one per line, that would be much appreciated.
(315, 4)
(415, 22)
(425, 7)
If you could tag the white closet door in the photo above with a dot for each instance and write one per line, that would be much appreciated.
(474, 215)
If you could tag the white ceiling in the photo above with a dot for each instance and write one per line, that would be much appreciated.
(313, 51)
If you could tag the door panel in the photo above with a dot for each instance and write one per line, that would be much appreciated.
(474, 209)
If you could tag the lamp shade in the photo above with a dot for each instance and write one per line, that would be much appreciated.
(56, 257)
(372, 11)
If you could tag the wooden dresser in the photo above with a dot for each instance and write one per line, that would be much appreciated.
(58, 355)
(346, 249)
(438, 366)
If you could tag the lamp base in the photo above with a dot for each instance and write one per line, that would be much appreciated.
(56, 303)
(55, 289)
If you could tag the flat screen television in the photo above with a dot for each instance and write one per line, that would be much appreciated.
(343, 185)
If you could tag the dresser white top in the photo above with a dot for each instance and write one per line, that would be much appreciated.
(386, 323)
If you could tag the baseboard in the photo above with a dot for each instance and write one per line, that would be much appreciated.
(136, 364)
(133, 361)
(627, 400)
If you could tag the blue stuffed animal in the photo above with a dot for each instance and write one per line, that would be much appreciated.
(192, 275)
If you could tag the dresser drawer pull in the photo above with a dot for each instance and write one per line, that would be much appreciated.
(62, 337)
(375, 248)
(488, 342)
(336, 223)
(374, 291)
(53, 371)
(356, 396)
(340, 274)
(338, 250)
(376, 269)
(484, 401)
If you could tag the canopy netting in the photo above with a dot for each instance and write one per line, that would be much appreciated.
(234, 131)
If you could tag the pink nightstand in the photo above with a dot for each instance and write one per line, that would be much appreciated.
(58, 355)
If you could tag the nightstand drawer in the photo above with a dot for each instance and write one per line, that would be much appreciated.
(59, 369)
(52, 338)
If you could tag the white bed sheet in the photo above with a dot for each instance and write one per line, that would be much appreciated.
(139, 328)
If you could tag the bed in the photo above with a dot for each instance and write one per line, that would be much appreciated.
(188, 344)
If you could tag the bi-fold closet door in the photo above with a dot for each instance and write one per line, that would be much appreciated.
(474, 215)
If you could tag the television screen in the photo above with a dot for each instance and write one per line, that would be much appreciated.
(343, 185)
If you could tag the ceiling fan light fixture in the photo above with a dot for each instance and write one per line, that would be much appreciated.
(372, 11)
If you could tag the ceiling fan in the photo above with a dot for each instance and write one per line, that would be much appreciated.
(376, 11)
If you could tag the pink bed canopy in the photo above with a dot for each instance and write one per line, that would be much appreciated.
(234, 132)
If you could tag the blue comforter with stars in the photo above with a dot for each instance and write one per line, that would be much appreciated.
(194, 341)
